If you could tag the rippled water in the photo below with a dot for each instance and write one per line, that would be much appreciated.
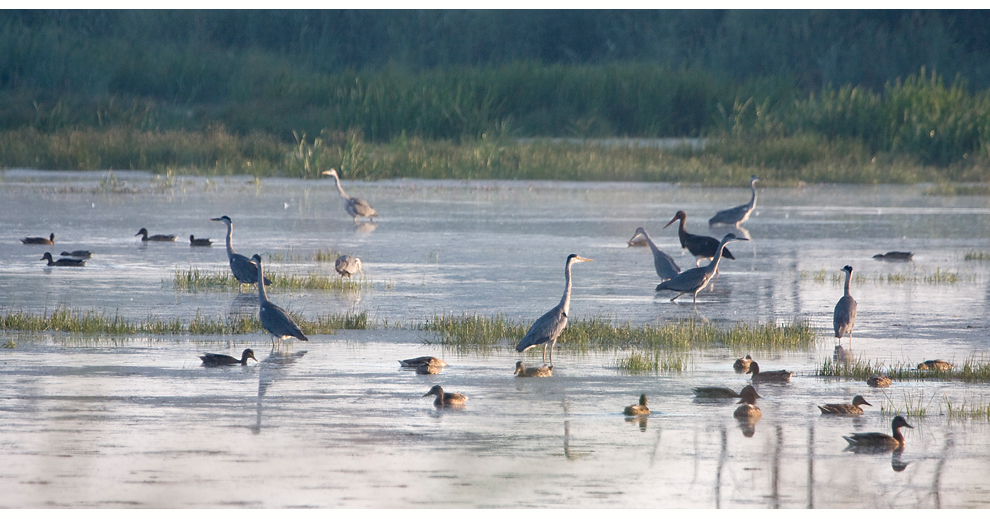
(137, 422)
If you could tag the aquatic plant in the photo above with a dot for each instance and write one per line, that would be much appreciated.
(967, 410)
(654, 361)
(916, 275)
(972, 370)
(328, 255)
(975, 255)
(911, 405)
(195, 279)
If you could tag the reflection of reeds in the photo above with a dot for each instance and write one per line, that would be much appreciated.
(973, 370)
(936, 277)
(195, 279)
(65, 320)
(600, 333)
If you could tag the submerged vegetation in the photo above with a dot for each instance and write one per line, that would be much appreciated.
(62, 319)
(599, 333)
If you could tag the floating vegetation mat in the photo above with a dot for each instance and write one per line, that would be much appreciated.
(195, 279)
(973, 370)
(73, 321)
(478, 333)
(916, 275)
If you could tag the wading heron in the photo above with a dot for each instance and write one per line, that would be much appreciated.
(738, 214)
(244, 271)
(354, 206)
(694, 280)
(844, 315)
(274, 319)
(547, 328)
(666, 268)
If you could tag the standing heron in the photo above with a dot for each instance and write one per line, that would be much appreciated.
(738, 214)
(274, 319)
(844, 316)
(702, 247)
(244, 271)
(143, 233)
(39, 240)
(666, 268)
(547, 328)
(694, 280)
(347, 265)
(354, 206)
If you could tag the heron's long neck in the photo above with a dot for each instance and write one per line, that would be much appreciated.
(653, 246)
(230, 248)
(262, 295)
(718, 256)
(752, 201)
(343, 195)
(565, 302)
(848, 277)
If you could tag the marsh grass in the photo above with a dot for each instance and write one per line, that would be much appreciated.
(967, 410)
(916, 276)
(911, 405)
(601, 334)
(972, 370)
(654, 361)
(62, 319)
(195, 279)
(326, 256)
(975, 255)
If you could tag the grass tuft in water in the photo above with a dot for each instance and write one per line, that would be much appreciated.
(975, 255)
(326, 256)
(916, 276)
(967, 410)
(195, 279)
(972, 370)
(654, 361)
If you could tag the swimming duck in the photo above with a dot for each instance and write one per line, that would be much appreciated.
(199, 242)
(523, 371)
(768, 376)
(63, 262)
(936, 365)
(85, 254)
(37, 240)
(415, 363)
(429, 369)
(635, 410)
(878, 380)
(143, 233)
(894, 256)
(347, 265)
(701, 247)
(445, 399)
(217, 359)
(880, 441)
(853, 408)
(748, 410)
(714, 392)
(741, 365)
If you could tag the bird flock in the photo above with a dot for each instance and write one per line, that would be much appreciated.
(547, 329)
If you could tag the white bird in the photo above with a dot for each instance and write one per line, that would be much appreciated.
(354, 206)
(547, 328)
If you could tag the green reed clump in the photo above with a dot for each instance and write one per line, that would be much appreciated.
(193, 279)
(912, 405)
(328, 255)
(64, 320)
(975, 255)
(654, 361)
(972, 370)
(473, 330)
(963, 410)
(917, 275)
(320, 281)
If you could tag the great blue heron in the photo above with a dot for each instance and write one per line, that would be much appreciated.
(853, 408)
(274, 319)
(445, 399)
(694, 280)
(347, 265)
(641, 409)
(63, 262)
(143, 233)
(217, 359)
(666, 268)
(547, 328)
(738, 214)
(199, 242)
(38, 240)
(244, 271)
(748, 409)
(84, 254)
(354, 206)
(779, 375)
(844, 315)
(875, 440)
(702, 247)
(540, 371)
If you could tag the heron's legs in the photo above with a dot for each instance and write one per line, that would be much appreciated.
(679, 294)
(552, 342)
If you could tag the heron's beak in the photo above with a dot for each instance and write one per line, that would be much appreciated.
(579, 258)
(214, 219)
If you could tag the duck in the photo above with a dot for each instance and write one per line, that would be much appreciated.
(38, 240)
(748, 410)
(702, 247)
(768, 376)
(63, 262)
(741, 365)
(445, 399)
(199, 242)
(418, 361)
(429, 369)
(878, 380)
(217, 359)
(143, 233)
(714, 392)
(523, 371)
(894, 256)
(853, 408)
(880, 441)
(637, 410)
(347, 265)
(84, 254)
(935, 365)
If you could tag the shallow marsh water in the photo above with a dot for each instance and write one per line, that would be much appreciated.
(137, 422)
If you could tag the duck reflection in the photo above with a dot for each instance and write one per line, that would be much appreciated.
(895, 460)
(270, 370)
(748, 426)
(638, 420)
